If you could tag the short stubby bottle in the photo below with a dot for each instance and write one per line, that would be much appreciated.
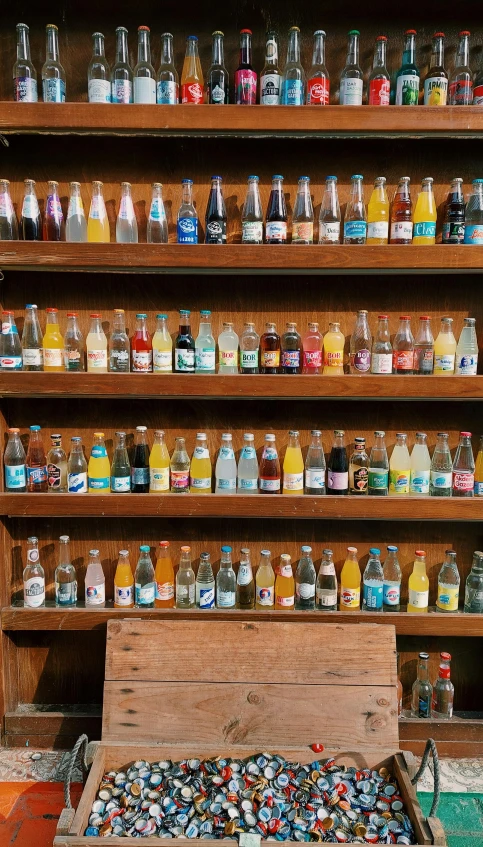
(14, 463)
(329, 216)
(142, 346)
(400, 466)
(474, 586)
(291, 347)
(252, 214)
(140, 465)
(270, 350)
(228, 350)
(312, 350)
(402, 214)
(355, 222)
(144, 582)
(359, 468)
(454, 214)
(305, 579)
(162, 346)
(373, 583)
(205, 347)
(424, 348)
(303, 214)
(159, 464)
(269, 467)
(225, 469)
(284, 584)
(403, 348)
(215, 218)
(466, 351)
(293, 466)
(247, 481)
(276, 217)
(205, 583)
(76, 223)
(10, 345)
(74, 345)
(441, 472)
(338, 466)
(326, 588)
(119, 344)
(96, 346)
(180, 468)
(315, 465)
(249, 349)
(464, 468)
(226, 581)
(361, 345)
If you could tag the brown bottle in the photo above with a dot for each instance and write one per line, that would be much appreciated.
(270, 350)
(402, 214)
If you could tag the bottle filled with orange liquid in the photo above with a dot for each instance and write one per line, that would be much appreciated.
(293, 466)
(284, 584)
(350, 583)
(98, 231)
(192, 76)
(164, 578)
(53, 343)
(123, 582)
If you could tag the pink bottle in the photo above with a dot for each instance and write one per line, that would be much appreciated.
(312, 346)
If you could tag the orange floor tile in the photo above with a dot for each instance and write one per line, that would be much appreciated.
(29, 812)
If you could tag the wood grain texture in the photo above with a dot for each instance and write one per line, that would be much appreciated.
(408, 793)
(255, 652)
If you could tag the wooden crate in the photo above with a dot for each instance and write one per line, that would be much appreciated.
(178, 688)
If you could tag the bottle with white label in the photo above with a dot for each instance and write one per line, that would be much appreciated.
(303, 214)
(53, 74)
(248, 466)
(53, 342)
(14, 463)
(200, 467)
(391, 600)
(338, 465)
(225, 582)
(144, 582)
(76, 223)
(420, 466)
(121, 466)
(205, 583)
(56, 466)
(276, 217)
(144, 73)
(10, 346)
(179, 469)
(467, 350)
(167, 80)
(269, 467)
(315, 465)
(351, 81)
(373, 583)
(119, 345)
(249, 349)
(448, 584)
(445, 349)
(228, 350)
(270, 77)
(441, 473)
(381, 357)
(402, 214)
(96, 345)
(355, 222)
(284, 584)
(293, 466)
(162, 346)
(185, 581)
(123, 582)
(407, 79)
(418, 586)
(65, 576)
(378, 483)
(225, 469)
(30, 217)
(361, 344)
(305, 579)
(126, 223)
(265, 582)
(245, 584)
(184, 348)
(98, 72)
(252, 214)
(157, 229)
(378, 213)
(205, 346)
(24, 73)
(33, 576)
(95, 582)
(121, 76)
(326, 588)
(76, 467)
(329, 216)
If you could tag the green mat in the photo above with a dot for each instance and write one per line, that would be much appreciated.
(461, 816)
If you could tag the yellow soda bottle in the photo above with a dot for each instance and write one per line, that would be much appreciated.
(162, 346)
(479, 471)
(424, 221)
(200, 468)
(293, 466)
(159, 464)
(334, 350)
(445, 349)
(418, 586)
(378, 213)
(99, 468)
(350, 583)
(400, 466)
(265, 582)
(123, 582)
(97, 223)
(164, 578)
(53, 343)
(284, 584)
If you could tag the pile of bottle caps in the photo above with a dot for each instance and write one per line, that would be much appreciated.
(264, 795)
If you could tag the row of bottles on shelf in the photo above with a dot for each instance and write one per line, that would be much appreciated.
(290, 87)
(248, 353)
(377, 223)
(432, 701)
(378, 589)
(145, 471)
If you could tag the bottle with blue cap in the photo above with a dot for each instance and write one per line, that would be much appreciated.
(144, 584)
(303, 214)
(252, 214)
(355, 223)
(226, 581)
(373, 583)
(187, 225)
(184, 348)
(215, 218)
(305, 579)
(391, 601)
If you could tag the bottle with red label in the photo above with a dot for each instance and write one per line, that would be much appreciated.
(464, 467)
(269, 473)
(276, 218)
(303, 214)
(291, 350)
(141, 346)
(245, 76)
(192, 76)
(403, 348)
(424, 348)
(478, 88)
(312, 350)
(270, 350)
(379, 80)
(338, 466)
(318, 85)
(461, 79)
(361, 345)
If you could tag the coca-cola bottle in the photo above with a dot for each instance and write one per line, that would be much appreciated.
(215, 218)
(318, 85)
(464, 468)
(403, 348)
(276, 218)
(360, 345)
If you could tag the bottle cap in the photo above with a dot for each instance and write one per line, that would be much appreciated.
(93, 552)
(357, 176)
(13, 429)
(143, 29)
(464, 32)
(101, 434)
(404, 318)
(226, 549)
(265, 552)
(379, 433)
(165, 544)
(354, 32)
(56, 437)
(306, 548)
(249, 436)
(201, 436)
(391, 548)
(192, 38)
(339, 432)
(257, 178)
(327, 552)
(216, 32)
(52, 311)
(294, 433)
(268, 437)
(185, 549)
(217, 177)
(439, 35)
(421, 553)
(316, 433)
(352, 549)
(331, 177)
(141, 315)
(144, 548)
(446, 657)
(162, 317)
(424, 318)
(410, 32)
(204, 312)
(159, 433)
(424, 656)
(381, 38)
(64, 539)
(374, 551)
(277, 176)
(187, 181)
(382, 317)
(34, 428)
(227, 436)
(124, 552)
(73, 314)
(465, 434)
(320, 32)
(247, 31)
(96, 315)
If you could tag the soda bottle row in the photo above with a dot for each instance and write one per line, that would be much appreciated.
(433, 701)
(380, 222)
(291, 87)
(141, 471)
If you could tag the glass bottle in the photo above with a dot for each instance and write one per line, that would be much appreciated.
(30, 218)
(454, 214)
(443, 690)
(126, 223)
(119, 344)
(355, 221)
(144, 582)
(424, 348)
(270, 77)
(318, 84)
(420, 466)
(53, 343)
(10, 346)
(53, 74)
(180, 468)
(338, 465)
(215, 218)
(225, 581)
(305, 579)
(187, 223)
(122, 75)
(24, 73)
(403, 348)
(378, 483)
(422, 691)
(291, 349)
(270, 350)
(351, 81)
(217, 81)
(478, 88)
(329, 216)
(407, 77)
(54, 225)
(269, 472)
(76, 224)
(225, 468)
(32, 351)
(293, 83)
(402, 214)
(249, 349)
(76, 467)
(436, 81)
(252, 214)
(141, 346)
(123, 582)
(159, 464)
(378, 213)
(334, 343)
(14, 463)
(448, 584)
(312, 350)
(245, 76)
(96, 346)
(247, 482)
(98, 229)
(474, 586)
(33, 576)
(359, 468)
(265, 582)
(8, 218)
(276, 217)
(99, 468)
(284, 584)
(121, 466)
(350, 583)
(245, 583)
(200, 467)
(392, 581)
(293, 466)
(474, 214)
(315, 465)
(56, 466)
(303, 214)
(467, 350)
(95, 583)
(464, 468)
(157, 229)
(418, 586)
(185, 581)
(192, 75)
(140, 464)
(461, 78)
(144, 73)
(445, 349)
(441, 474)
(205, 346)
(361, 344)
(205, 583)
(400, 466)
(425, 213)
(164, 577)
(326, 588)
(65, 576)
(379, 80)
(167, 80)
(228, 350)
(373, 583)
(98, 73)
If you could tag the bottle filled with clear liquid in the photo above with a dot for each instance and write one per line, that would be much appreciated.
(187, 222)
(422, 691)
(144, 582)
(126, 223)
(315, 466)
(98, 72)
(474, 586)
(76, 224)
(247, 481)
(14, 463)
(329, 216)
(24, 73)
(392, 581)
(226, 581)
(33, 576)
(467, 350)
(424, 348)
(119, 344)
(441, 472)
(53, 74)
(293, 82)
(185, 581)
(303, 214)
(420, 466)
(10, 346)
(32, 350)
(381, 356)
(252, 214)
(205, 346)
(205, 583)
(95, 582)
(249, 349)
(144, 73)
(65, 576)
(443, 690)
(373, 583)
(351, 81)
(167, 80)
(121, 466)
(326, 588)
(355, 222)
(121, 75)
(157, 230)
(225, 469)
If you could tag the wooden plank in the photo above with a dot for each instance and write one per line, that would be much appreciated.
(457, 729)
(437, 831)
(53, 723)
(249, 652)
(84, 841)
(411, 802)
(65, 822)
(92, 784)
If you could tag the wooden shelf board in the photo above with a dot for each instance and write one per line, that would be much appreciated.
(244, 386)
(235, 121)
(242, 506)
(81, 618)
(237, 258)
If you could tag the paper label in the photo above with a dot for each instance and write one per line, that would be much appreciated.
(435, 91)
(424, 229)
(402, 231)
(96, 360)
(329, 231)
(373, 596)
(448, 596)
(191, 92)
(315, 478)
(207, 597)
(350, 92)
(95, 594)
(292, 92)
(201, 482)
(185, 592)
(270, 89)
(473, 234)
(318, 89)
(245, 87)
(30, 207)
(167, 92)
(10, 362)
(37, 475)
(378, 229)
(144, 89)
(121, 91)
(180, 480)
(265, 595)
(252, 232)
(337, 481)
(162, 361)
(159, 479)
(15, 477)
(140, 476)
(248, 484)
(226, 599)
(293, 481)
(478, 489)
(302, 232)
(144, 594)
(205, 360)
(164, 590)
(478, 95)
(419, 599)
(391, 594)
(77, 483)
(99, 91)
(403, 360)
(378, 479)
(407, 90)
(245, 574)
(463, 481)
(157, 211)
(142, 361)
(286, 602)
(123, 595)
(25, 89)
(270, 358)
(201, 453)
(66, 593)
(269, 484)
(381, 363)
(184, 360)
(248, 359)
(419, 482)
(361, 361)
(34, 592)
(275, 232)
(305, 590)
(120, 484)
(444, 364)
(291, 358)
(187, 230)
(355, 229)
(313, 359)
(333, 358)
(228, 358)
(100, 483)
(441, 479)
(350, 598)
(53, 90)
(461, 92)
(326, 599)
(32, 357)
(226, 484)
(53, 358)
(399, 481)
(379, 92)
(217, 94)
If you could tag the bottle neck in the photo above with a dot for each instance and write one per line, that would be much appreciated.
(167, 50)
(293, 49)
(462, 56)
(96, 327)
(217, 52)
(184, 325)
(409, 50)
(98, 44)
(52, 319)
(121, 48)
(140, 439)
(318, 57)
(64, 554)
(187, 194)
(423, 670)
(356, 191)
(245, 49)
(437, 55)
(380, 55)
(23, 46)
(144, 48)
(52, 45)
(118, 323)
(271, 52)
(403, 190)
(191, 49)
(353, 50)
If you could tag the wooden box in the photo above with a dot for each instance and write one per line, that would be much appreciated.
(178, 689)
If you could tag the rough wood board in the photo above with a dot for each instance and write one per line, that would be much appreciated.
(411, 802)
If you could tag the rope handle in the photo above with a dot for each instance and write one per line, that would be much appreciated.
(430, 748)
(79, 750)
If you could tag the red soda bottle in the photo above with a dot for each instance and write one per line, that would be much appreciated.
(379, 80)
(269, 472)
(245, 76)
(36, 462)
(312, 347)
(464, 467)
(403, 348)
(318, 86)
(141, 346)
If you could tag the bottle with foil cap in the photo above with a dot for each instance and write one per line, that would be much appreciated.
(33, 576)
(448, 584)
(180, 468)
(284, 584)
(326, 588)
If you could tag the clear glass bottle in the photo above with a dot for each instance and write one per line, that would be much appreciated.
(326, 589)
(205, 583)
(378, 483)
(144, 73)
(355, 221)
(65, 576)
(467, 350)
(14, 463)
(56, 466)
(443, 690)
(407, 77)
(53, 74)
(217, 80)
(8, 218)
(245, 583)
(361, 344)
(205, 345)
(359, 468)
(474, 214)
(293, 83)
(315, 466)
(225, 581)
(303, 214)
(249, 349)
(121, 75)
(225, 468)
(247, 481)
(76, 467)
(271, 77)
(381, 356)
(329, 216)
(448, 584)
(424, 348)
(312, 344)
(157, 229)
(30, 218)
(441, 474)
(445, 349)
(228, 350)
(95, 582)
(141, 346)
(96, 345)
(474, 586)
(436, 81)
(420, 466)
(351, 81)
(461, 79)
(187, 222)
(121, 466)
(318, 84)
(180, 468)
(265, 582)
(400, 466)
(391, 600)
(192, 74)
(185, 581)
(126, 223)
(379, 80)
(98, 228)
(403, 348)
(305, 579)
(252, 214)
(422, 691)
(373, 583)
(24, 73)
(33, 576)
(98, 73)
(10, 346)
(162, 345)
(144, 582)
(76, 223)
(119, 344)
(167, 80)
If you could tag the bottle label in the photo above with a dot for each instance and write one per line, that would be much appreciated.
(275, 231)
(248, 453)
(201, 482)
(126, 209)
(11, 362)
(205, 360)
(226, 453)
(167, 92)
(291, 358)
(187, 230)
(378, 479)
(350, 598)
(378, 229)
(381, 363)
(399, 481)
(248, 359)
(248, 484)
(326, 599)
(361, 360)
(292, 92)
(159, 479)
(373, 595)
(99, 451)
(226, 484)
(407, 90)
(77, 483)
(329, 231)
(419, 599)
(252, 232)
(293, 481)
(313, 359)
(441, 479)
(34, 592)
(123, 595)
(35, 476)
(53, 90)
(30, 207)
(379, 92)
(76, 207)
(145, 594)
(144, 89)
(285, 570)
(96, 360)
(424, 360)
(478, 95)
(361, 478)
(424, 229)
(245, 87)
(350, 92)
(217, 94)
(305, 590)
(269, 453)
(53, 358)
(95, 209)
(473, 234)
(184, 360)
(95, 594)
(180, 480)
(54, 473)
(25, 89)
(453, 232)
(445, 363)
(216, 232)
(478, 489)
(120, 484)
(315, 478)
(185, 593)
(207, 597)
(164, 591)
(461, 92)
(355, 229)
(403, 360)
(302, 232)
(286, 602)
(191, 92)
(157, 211)
(318, 89)
(270, 88)
(162, 361)
(419, 482)
(337, 481)
(265, 595)
(245, 574)
(100, 483)
(99, 91)
(269, 484)
(201, 453)
(270, 358)
(140, 476)
(142, 361)
(391, 594)
(15, 477)
(435, 91)
(448, 596)
(401, 231)
(333, 358)
(66, 593)
(228, 358)
(226, 599)
(463, 481)
(121, 91)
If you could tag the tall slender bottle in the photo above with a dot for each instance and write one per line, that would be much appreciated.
(454, 214)
(378, 213)
(144, 73)
(350, 583)
(276, 217)
(200, 468)
(474, 214)
(245, 76)
(441, 473)
(157, 230)
(225, 469)
(24, 73)
(65, 576)
(54, 225)
(98, 73)
(121, 75)
(443, 691)
(192, 75)
(270, 77)
(53, 74)
(36, 462)
(305, 579)
(32, 351)
(252, 214)
(407, 77)
(378, 483)
(318, 84)
(303, 214)
(121, 466)
(373, 583)
(126, 223)
(379, 80)
(215, 218)
(293, 83)
(402, 214)
(392, 581)
(424, 348)
(140, 463)
(293, 466)
(167, 80)
(225, 581)
(187, 225)
(76, 224)
(461, 79)
(98, 230)
(355, 223)
(436, 81)
(119, 344)
(217, 80)
(30, 218)
(351, 81)
(329, 216)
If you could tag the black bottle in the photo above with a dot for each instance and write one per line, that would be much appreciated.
(215, 219)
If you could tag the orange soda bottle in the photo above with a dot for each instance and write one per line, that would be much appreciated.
(284, 584)
(123, 583)
(164, 578)
(192, 76)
